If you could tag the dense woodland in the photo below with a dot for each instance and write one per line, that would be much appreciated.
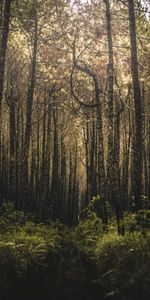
(75, 149)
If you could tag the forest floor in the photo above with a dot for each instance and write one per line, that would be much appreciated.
(51, 262)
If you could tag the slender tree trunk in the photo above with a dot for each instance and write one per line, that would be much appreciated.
(62, 208)
(43, 164)
(86, 142)
(113, 167)
(17, 157)
(55, 175)
(3, 46)
(32, 177)
(37, 181)
(100, 155)
(138, 107)
(70, 196)
(48, 158)
(1, 15)
(30, 94)
(144, 147)
(116, 179)
(94, 186)
(110, 74)
(12, 123)
(74, 208)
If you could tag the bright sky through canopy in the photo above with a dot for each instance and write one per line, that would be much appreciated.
(146, 5)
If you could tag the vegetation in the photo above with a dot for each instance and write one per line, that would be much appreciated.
(52, 261)
(74, 149)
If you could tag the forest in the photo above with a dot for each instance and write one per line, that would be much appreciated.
(74, 149)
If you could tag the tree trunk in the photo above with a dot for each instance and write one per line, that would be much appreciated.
(30, 94)
(29, 103)
(55, 175)
(138, 108)
(12, 123)
(113, 135)
(48, 158)
(86, 142)
(3, 47)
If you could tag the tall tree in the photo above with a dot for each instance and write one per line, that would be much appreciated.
(138, 107)
(29, 103)
(3, 45)
(3, 48)
(113, 125)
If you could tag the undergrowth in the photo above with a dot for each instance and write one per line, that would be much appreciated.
(33, 257)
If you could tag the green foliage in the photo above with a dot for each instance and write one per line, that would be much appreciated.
(10, 218)
(87, 233)
(115, 266)
(137, 222)
(123, 262)
(130, 222)
(91, 209)
(124, 265)
(31, 243)
(143, 218)
(24, 246)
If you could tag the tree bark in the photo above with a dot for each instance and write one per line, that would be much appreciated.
(30, 94)
(3, 47)
(138, 107)
(113, 133)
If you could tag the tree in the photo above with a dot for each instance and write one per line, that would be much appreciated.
(3, 46)
(71, 115)
(138, 107)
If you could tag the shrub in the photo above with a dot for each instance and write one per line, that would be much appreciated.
(124, 264)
